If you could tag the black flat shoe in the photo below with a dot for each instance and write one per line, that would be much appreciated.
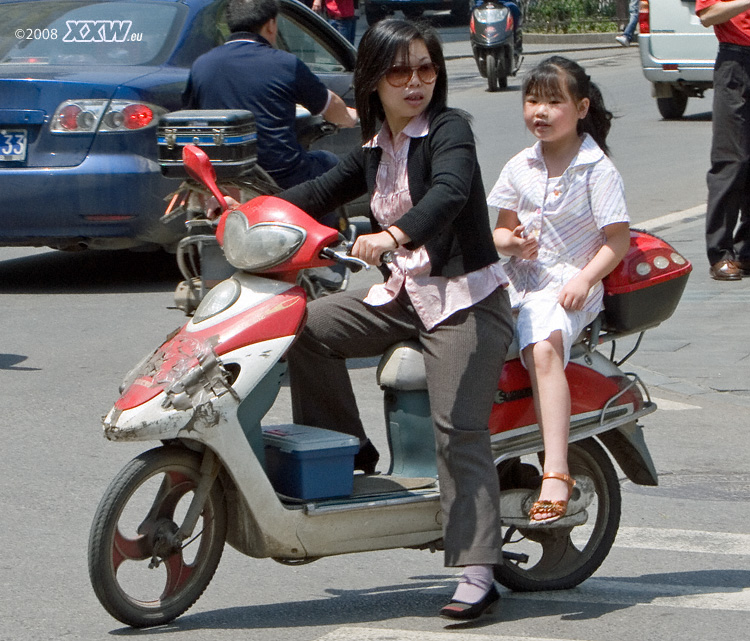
(466, 611)
(367, 458)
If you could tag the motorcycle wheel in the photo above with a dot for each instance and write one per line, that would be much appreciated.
(491, 72)
(562, 558)
(140, 578)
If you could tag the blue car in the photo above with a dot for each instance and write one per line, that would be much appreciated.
(82, 87)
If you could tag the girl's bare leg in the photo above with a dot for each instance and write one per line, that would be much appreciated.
(552, 404)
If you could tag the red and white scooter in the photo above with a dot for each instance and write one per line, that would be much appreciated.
(289, 492)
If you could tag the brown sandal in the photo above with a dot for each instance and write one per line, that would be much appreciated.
(558, 509)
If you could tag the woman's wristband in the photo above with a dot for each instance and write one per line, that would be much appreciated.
(395, 240)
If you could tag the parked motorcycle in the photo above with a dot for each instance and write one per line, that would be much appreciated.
(497, 41)
(288, 492)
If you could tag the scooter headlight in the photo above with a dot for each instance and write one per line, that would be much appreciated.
(262, 246)
(491, 14)
(221, 297)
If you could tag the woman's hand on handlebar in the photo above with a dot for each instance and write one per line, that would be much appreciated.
(371, 247)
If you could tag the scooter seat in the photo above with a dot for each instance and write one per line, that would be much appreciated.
(402, 366)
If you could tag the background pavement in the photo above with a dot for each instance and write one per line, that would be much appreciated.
(701, 352)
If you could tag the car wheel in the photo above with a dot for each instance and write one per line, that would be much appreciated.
(373, 13)
(461, 11)
(672, 108)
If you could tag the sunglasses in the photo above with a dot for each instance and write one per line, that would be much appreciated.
(400, 75)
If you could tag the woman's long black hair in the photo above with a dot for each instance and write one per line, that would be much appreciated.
(544, 81)
(381, 47)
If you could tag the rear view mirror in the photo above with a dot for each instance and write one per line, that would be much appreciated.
(199, 167)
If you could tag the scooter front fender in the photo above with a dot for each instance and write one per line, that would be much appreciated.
(148, 422)
(192, 411)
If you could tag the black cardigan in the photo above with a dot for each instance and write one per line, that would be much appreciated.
(449, 216)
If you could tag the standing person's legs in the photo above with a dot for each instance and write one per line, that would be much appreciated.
(742, 234)
(464, 356)
(347, 27)
(626, 37)
(633, 10)
(727, 177)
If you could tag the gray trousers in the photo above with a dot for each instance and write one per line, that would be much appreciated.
(464, 356)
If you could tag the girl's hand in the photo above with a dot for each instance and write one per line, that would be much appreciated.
(371, 247)
(573, 295)
(510, 239)
(528, 246)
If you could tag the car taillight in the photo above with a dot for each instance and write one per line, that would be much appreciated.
(89, 116)
(137, 116)
(643, 15)
(69, 115)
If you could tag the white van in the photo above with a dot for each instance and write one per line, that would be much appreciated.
(677, 53)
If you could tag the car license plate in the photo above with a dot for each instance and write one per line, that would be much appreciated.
(12, 144)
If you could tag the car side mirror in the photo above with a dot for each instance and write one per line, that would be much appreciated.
(199, 167)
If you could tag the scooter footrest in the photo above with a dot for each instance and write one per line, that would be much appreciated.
(381, 484)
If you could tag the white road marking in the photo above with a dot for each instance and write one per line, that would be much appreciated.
(611, 591)
(687, 541)
(670, 219)
(664, 404)
(384, 634)
(624, 592)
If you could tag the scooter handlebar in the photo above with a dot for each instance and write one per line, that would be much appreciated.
(340, 256)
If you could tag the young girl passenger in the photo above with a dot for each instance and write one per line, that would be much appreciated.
(562, 220)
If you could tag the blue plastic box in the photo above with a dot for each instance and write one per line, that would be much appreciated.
(308, 462)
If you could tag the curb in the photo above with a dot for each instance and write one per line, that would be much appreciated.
(551, 42)
(573, 38)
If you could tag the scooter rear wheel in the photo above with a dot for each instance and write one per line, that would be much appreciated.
(562, 558)
(139, 576)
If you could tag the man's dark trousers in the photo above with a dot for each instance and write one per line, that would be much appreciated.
(729, 177)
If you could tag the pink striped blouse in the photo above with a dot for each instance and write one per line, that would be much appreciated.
(435, 298)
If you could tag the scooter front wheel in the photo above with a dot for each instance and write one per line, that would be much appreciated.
(497, 74)
(141, 573)
(491, 72)
(549, 558)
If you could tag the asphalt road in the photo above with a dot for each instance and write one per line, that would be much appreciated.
(74, 324)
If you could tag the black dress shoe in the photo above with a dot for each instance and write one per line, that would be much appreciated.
(743, 266)
(367, 458)
(461, 611)
(725, 270)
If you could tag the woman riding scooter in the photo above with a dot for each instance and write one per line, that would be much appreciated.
(445, 288)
